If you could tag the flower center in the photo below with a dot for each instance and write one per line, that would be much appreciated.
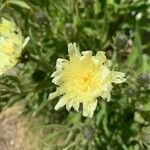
(87, 79)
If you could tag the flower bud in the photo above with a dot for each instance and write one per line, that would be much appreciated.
(88, 132)
(130, 92)
(41, 19)
(69, 29)
(109, 52)
(143, 80)
(121, 41)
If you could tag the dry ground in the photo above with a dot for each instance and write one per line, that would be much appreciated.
(14, 131)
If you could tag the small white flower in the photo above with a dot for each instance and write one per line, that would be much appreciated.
(82, 79)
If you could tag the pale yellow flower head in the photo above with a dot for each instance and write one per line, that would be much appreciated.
(11, 44)
(82, 79)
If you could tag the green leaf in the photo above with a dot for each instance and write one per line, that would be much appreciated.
(19, 3)
(97, 7)
(138, 117)
(146, 106)
(136, 51)
(145, 63)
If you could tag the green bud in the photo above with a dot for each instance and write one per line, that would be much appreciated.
(130, 92)
(121, 41)
(143, 80)
(41, 19)
(88, 132)
(69, 29)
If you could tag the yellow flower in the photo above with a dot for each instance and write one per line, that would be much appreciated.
(82, 79)
(11, 44)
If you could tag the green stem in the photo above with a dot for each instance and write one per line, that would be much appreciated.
(69, 146)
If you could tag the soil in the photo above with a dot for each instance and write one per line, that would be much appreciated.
(14, 130)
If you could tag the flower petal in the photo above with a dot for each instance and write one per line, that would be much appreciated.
(89, 108)
(102, 59)
(60, 63)
(55, 74)
(101, 56)
(105, 94)
(62, 102)
(73, 50)
(117, 77)
(76, 106)
(56, 80)
(69, 104)
(87, 53)
(95, 60)
(104, 72)
(26, 41)
(54, 95)
(5, 63)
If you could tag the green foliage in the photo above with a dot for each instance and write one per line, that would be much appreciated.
(123, 123)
